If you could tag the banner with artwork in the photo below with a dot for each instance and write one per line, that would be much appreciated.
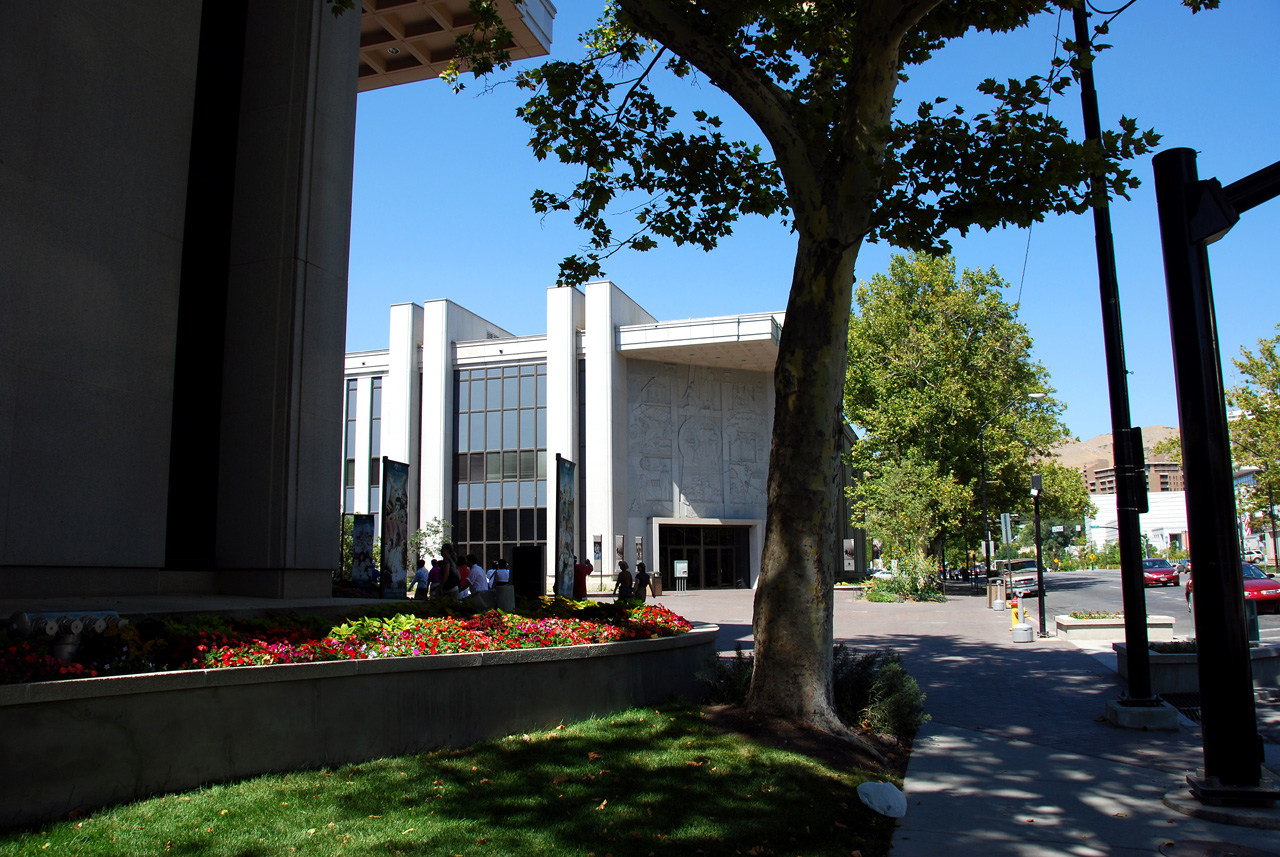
(363, 572)
(566, 503)
(394, 579)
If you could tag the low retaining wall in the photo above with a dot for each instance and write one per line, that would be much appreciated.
(85, 743)
(1159, 629)
(1179, 673)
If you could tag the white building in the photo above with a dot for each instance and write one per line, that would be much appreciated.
(1164, 524)
(669, 423)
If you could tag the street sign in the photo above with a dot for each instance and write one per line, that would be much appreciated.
(1057, 529)
(1006, 527)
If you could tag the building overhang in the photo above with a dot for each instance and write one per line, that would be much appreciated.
(402, 41)
(747, 342)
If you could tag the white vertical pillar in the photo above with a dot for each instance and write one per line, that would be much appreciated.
(565, 317)
(401, 408)
(364, 396)
(436, 414)
(599, 344)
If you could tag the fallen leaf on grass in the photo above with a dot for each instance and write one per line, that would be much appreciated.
(594, 756)
(560, 778)
(602, 805)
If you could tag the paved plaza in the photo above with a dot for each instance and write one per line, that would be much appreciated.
(1016, 759)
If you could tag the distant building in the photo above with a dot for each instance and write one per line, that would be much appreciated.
(668, 423)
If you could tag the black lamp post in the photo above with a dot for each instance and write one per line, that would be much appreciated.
(982, 459)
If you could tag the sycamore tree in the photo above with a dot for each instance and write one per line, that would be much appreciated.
(844, 165)
(933, 359)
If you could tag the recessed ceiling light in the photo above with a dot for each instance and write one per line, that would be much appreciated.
(393, 51)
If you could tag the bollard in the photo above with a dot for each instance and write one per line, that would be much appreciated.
(1013, 612)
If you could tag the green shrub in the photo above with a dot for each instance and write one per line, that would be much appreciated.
(872, 691)
(729, 679)
(914, 579)
(875, 692)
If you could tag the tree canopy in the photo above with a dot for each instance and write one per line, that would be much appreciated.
(1255, 432)
(933, 358)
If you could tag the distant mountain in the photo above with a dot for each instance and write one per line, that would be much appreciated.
(1077, 453)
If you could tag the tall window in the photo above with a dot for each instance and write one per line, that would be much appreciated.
(500, 442)
(349, 445)
(375, 447)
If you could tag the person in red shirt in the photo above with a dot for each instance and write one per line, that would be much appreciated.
(581, 571)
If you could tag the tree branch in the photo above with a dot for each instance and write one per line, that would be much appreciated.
(765, 102)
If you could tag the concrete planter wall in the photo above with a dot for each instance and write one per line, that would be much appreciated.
(1178, 673)
(90, 742)
(1159, 629)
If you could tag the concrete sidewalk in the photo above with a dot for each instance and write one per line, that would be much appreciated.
(1017, 758)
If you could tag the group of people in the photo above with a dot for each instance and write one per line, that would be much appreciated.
(629, 585)
(456, 577)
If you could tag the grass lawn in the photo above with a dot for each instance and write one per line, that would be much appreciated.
(643, 782)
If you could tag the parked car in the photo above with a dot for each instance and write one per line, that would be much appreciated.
(1184, 567)
(1255, 556)
(1020, 576)
(1259, 587)
(1159, 572)
(882, 574)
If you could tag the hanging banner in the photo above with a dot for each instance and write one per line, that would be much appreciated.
(395, 529)
(566, 503)
(363, 572)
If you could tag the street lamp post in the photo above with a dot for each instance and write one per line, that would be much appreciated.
(982, 460)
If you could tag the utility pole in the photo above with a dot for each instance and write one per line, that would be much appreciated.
(1130, 499)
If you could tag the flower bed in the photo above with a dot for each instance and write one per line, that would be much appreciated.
(1109, 627)
(213, 642)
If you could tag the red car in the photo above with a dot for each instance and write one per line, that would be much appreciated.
(1259, 587)
(1159, 572)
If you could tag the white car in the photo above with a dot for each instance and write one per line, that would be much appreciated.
(882, 574)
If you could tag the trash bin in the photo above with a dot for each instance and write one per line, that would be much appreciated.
(1251, 621)
(655, 585)
(1023, 633)
(995, 594)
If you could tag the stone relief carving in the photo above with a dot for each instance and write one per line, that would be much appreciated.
(701, 390)
(746, 484)
(649, 431)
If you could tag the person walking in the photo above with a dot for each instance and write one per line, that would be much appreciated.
(642, 582)
(421, 585)
(622, 588)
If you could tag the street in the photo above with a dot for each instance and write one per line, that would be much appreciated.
(1071, 591)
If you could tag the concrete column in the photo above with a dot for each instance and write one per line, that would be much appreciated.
(608, 490)
(565, 317)
(401, 406)
(437, 414)
(277, 531)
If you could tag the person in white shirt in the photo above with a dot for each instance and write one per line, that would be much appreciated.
(476, 580)
(501, 574)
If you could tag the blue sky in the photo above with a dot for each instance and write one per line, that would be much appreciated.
(442, 184)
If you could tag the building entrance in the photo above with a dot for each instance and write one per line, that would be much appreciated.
(718, 556)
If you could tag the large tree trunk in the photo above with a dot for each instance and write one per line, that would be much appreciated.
(792, 624)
